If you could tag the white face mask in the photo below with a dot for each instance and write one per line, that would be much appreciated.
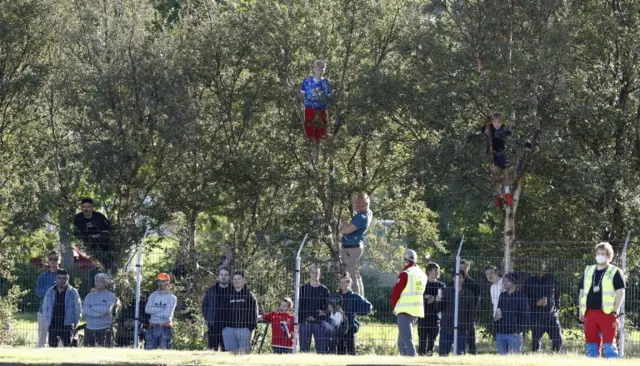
(601, 259)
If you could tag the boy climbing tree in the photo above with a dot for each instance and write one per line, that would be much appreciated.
(499, 174)
(316, 91)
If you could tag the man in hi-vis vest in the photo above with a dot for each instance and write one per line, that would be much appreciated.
(407, 303)
(601, 294)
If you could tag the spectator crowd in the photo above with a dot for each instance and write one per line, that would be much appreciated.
(519, 302)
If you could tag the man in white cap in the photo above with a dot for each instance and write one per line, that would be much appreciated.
(407, 303)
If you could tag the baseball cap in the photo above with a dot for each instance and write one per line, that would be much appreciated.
(163, 277)
(411, 255)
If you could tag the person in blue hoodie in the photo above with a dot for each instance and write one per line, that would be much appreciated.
(62, 310)
(353, 305)
(511, 317)
(45, 281)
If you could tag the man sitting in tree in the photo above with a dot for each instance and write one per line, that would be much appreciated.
(498, 133)
(316, 90)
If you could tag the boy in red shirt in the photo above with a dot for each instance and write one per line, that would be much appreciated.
(281, 327)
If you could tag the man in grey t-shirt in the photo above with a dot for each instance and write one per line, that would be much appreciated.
(98, 309)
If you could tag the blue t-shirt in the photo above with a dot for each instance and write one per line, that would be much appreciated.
(361, 220)
(315, 92)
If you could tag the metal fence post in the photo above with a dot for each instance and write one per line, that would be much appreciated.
(297, 296)
(623, 266)
(457, 300)
(136, 331)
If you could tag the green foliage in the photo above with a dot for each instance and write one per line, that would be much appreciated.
(9, 305)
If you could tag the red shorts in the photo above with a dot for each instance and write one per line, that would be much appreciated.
(315, 123)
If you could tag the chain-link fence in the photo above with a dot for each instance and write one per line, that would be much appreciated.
(551, 287)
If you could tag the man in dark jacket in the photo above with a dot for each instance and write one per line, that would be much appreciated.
(511, 318)
(94, 229)
(313, 299)
(544, 302)
(466, 309)
(474, 287)
(240, 316)
(353, 305)
(212, 309)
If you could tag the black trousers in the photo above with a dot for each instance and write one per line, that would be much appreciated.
(471, 339)
(346, 343)
(214, 338)
(63, 332)
(549, 325)
(428, 329)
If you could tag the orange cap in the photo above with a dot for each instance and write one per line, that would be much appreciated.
(163, 277)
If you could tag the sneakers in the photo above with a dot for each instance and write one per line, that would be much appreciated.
(508, 199)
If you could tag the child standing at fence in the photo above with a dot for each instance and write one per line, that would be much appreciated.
(281, 327)
(333, 322)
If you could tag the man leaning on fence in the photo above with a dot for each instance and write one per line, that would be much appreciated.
(212, 309)
(98, 309)
(45, 281)
(313, 299)
(544, 302)
(602, 290)
(160, 306)
(407, 303)
(62, 309)
(511, 317)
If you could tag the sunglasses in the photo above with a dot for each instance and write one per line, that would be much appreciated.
(53, 259)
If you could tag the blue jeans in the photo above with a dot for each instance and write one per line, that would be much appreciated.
(446, 341)
(509, 343)
(158, 337)
(318, 332)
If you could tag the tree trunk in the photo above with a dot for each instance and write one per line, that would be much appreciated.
(509, 234)
(65, 239)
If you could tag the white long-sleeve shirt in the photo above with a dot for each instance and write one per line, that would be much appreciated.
(496, 290)
(161, 306)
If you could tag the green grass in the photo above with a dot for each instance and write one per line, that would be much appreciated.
(29, 356)
(373, 338)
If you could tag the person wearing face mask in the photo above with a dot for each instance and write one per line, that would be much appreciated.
(602, 290)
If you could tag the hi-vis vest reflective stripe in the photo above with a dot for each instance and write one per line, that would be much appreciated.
(607, 290)
(411, 301)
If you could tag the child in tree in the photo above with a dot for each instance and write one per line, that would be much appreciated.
(316, 91)
(333, 322)
(498, 133)
(281, 327)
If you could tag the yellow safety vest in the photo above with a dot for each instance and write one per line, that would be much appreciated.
(411, 301)
(607, 290)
